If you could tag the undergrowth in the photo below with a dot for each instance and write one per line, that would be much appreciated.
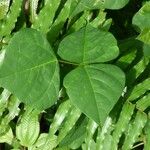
(74, 74)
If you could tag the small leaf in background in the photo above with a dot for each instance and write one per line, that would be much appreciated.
(4, 100)
(142, 20)
(27, 130)
(30, 69)
(43, 142)
(4, 6)
(7, 137)
(142, 17)
(145, 36)
(91, 97)
(146, 49)
(89, 45)
(13, 107)
(76, 136)
(115, 4)
(82, 5)
(95, 89)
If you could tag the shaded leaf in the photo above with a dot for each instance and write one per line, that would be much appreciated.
(81, 5)
(145, 36)
(115, 4)
(76, 136)
(146, 49)
(141, 18)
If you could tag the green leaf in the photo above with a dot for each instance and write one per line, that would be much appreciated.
(147, 134)
(88, 45)
(44, 142)
(27, 130)
(90, 132)
(115, 4)
(4, 100)
(141, 18)
(146, 50)
(143, 103)
(103, 134)
(76, 136)
(95, 89)
(4, 6)
(30, 69)
(81, 5)
(7, 137)
(134, 130)
(145, 36)
(139, 90)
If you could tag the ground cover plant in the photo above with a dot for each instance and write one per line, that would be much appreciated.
(74, 74)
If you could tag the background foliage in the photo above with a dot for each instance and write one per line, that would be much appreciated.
(74, 74)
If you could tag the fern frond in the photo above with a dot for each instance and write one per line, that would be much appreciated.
(122, 123)
(70, 121)
(91, 128)
(137, 70)
(33, 9)
(135, 130)
(147, 135)
(139, 89)
(80, 22)
(59, 117)
(11, 18)
(45, 17)
(124, 61)
(99, 20)
(4, 7)
(59, 21)
(143, 103)
(102, 134)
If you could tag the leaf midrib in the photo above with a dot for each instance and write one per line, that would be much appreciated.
(93, 92)
(32, 68)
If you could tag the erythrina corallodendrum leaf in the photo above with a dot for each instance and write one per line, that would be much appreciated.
(30, 69)
(89, 45)
(93, 87)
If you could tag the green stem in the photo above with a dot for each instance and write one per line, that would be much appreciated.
(67, 62)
